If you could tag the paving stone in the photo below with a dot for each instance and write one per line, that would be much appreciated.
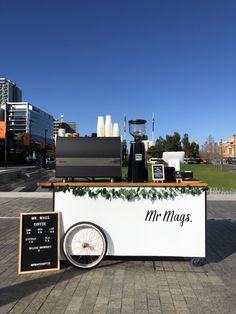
(167, 308)
(100, 308)
(127, 309)
(178, 297)
(128, 301)
(113, 311)
(154, 303)
(155, 310)
(75, 303)
(114, 305)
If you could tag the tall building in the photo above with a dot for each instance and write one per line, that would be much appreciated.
(22, 117)
(227, 149)
(9, 92)
(25, 130)
(71, 127)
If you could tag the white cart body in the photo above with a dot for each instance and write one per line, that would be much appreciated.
(174, 227)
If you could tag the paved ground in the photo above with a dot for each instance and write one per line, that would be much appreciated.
(126, 286)
(231, 168)
(24, 179)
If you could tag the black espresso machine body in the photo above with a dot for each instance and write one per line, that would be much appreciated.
(78, 157)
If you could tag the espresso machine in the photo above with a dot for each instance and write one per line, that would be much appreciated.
(137, 170)
(88, 157)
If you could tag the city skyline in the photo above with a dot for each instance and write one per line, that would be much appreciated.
(173, 59)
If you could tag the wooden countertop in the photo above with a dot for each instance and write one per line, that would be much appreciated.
(124, 184)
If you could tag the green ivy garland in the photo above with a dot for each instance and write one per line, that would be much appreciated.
(132, 193)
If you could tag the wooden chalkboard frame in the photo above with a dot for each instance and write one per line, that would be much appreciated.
(20, 271)
(162, 170)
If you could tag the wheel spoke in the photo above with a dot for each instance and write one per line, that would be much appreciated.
(84, 245)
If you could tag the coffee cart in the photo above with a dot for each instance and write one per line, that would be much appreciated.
(100, 219)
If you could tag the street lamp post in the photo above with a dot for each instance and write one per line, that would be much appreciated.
(221, 153)
(45, 144)
(5, 147)
(234, 145)
(30, 125)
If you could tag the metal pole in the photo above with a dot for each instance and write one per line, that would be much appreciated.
(44, 161)
(153, 123)
(221, 153)
(5, 159)
(234, 145)
(30, 121)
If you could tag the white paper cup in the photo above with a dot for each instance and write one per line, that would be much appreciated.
(108, 126)
(116, 130)
(100, 127)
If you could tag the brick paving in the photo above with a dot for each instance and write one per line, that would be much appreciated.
(122, 286)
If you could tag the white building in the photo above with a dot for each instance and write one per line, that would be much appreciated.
(148, 144)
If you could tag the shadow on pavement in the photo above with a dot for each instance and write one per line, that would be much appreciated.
(221, 239)
(22, 289)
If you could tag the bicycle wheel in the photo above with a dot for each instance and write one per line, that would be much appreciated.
(84, 245)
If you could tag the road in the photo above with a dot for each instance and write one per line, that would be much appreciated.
(231, 168)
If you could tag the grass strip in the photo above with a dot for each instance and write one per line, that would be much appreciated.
(216, 177)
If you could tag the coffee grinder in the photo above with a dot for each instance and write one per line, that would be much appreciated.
(137, 170)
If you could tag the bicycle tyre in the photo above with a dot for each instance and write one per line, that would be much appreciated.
(84, 245)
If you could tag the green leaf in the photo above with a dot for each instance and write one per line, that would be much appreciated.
(130, 194)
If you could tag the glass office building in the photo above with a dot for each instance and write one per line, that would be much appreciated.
(22, 117)
(71, 127)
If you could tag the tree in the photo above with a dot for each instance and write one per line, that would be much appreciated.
(210, 149)
(191, 149)
(160, 147)
(186, 146)
(194, 150)
(156, 150)
(151, 152)
(173, 143)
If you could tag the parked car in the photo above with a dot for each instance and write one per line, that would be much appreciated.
(192, 160)
(50, 163)
(154, 160)
(232, 160)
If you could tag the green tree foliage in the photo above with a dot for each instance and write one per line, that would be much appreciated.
(151, 152)
(186, 146)
(174, 143)
(159, 147)
(194, 150)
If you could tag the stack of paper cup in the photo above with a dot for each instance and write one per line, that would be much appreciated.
(116, 130)
(108, 126)
(100, 127)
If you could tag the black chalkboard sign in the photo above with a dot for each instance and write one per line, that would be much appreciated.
(39, 247)
(158, 173)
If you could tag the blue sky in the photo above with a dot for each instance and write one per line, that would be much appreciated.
(173, 58)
